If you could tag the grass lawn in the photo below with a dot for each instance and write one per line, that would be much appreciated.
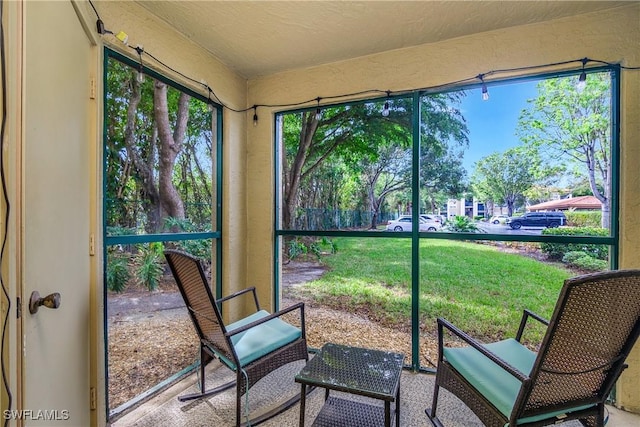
(477, 287)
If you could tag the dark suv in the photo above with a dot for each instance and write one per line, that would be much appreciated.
(537, 219)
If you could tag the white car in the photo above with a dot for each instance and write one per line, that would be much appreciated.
(498, 219)
(403, 223)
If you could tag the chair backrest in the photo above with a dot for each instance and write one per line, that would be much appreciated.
(593, 328)
(194, 287)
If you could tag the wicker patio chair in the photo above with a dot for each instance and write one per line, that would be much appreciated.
(592, 330)
(252, 347)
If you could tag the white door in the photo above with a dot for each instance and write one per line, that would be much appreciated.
(56, 201)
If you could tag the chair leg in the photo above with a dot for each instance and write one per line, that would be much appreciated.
(594, 420)
(431, 412)
(205, 358)
(239, 379)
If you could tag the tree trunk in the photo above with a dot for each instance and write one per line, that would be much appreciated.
(170, 145)
(145, 172)
(309, 126)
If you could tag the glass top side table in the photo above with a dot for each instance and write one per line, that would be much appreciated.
(359, 371)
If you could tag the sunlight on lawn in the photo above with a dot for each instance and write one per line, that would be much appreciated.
(474, 285)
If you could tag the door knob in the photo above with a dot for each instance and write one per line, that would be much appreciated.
(50, 301)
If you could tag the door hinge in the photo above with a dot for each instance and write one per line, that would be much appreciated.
(93, 398)
(92, 87)
(92, 244)
(18, 307)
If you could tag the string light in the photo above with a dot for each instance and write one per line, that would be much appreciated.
(255, 115)
(432, 89)
(582, 80)
(140, 75)
(485, 91)
(385, 109)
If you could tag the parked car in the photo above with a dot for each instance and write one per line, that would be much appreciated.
(537, 219)
(498, 219)
(404, 223)
(436, 219)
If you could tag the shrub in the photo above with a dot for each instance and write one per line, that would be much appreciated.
(462, 224)
(117, 272)
(301, 247)
(584, 218)
(558, 250)
(148, 265)
(590, 263)
(570, 257)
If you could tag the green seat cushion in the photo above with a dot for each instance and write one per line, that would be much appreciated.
(262, 339)
(494, 383)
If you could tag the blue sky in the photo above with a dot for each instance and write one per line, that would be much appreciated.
(492, 123)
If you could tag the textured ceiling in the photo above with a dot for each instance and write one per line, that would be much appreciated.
(258, 38)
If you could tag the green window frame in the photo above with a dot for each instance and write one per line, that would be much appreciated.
(215, 234)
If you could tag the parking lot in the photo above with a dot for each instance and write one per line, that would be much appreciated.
(505, 229)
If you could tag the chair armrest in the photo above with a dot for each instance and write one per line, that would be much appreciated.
(523, 322)
(265, 319)
(237, 294)
(478, 346)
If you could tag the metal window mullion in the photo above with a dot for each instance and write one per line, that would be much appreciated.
(415, 235)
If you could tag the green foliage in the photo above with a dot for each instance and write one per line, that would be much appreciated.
(570, 257)
(584, 218)
(148, 265)
(584, 261)
(296, 248)
(299, 247)
(132, 153)
(200, 248)
(558, 250)
(505, 177)
(590, 263)
(117, 272)
(353, 157)
(572, 129)
(462, 224)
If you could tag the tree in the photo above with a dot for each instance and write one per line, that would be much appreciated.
(389, 172)
(361, 138)
(444, 137)
(504, 177)
(570, 126)
(155, 138)
(346, 132)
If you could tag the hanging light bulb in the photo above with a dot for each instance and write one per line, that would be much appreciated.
(140, 75)
(582, 80)
(318, 111)
(485, 91)
(385, 109)
(255, 116)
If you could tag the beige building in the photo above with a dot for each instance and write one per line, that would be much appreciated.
(52, 142)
